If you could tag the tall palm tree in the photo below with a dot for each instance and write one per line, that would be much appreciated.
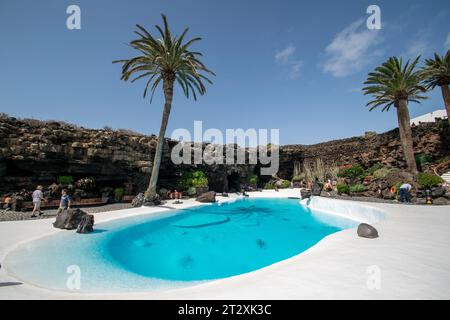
(164, 60)
(436, 72)
(393, 84)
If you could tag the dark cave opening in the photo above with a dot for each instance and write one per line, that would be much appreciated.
(234, 182)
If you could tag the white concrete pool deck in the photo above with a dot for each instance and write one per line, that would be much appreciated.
(410, 260)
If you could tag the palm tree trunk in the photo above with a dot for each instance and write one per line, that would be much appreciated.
(446, 96)
(168, 94)
(406, 135)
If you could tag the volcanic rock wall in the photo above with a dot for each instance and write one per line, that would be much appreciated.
(36, 152)
(432, 139)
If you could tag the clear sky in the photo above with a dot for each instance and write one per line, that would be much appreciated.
(293, 65)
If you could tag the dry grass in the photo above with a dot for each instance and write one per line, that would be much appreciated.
(318, 171)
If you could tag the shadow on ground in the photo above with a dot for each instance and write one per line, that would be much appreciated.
(10, 284)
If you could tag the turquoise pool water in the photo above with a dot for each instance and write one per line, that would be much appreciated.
(178, 248)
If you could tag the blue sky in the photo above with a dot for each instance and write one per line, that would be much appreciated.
(293, 65)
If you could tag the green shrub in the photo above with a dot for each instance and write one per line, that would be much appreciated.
(253, 179)
(191, 191)
(298, 178)
(193, 179)
(427, 180)
(65, 179)
(269, 185)
(423, 158)
(370, 134)
(381, 173)
(375, 167)
(356, 188)
(285, 184)
(343, 188)
(119, 193)
(199, 179)
(354, 172)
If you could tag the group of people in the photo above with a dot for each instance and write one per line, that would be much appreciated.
(403, 191)
(65, 201)
(38, 197)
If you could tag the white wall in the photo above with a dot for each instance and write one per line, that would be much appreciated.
(347, 209)
(429, 117)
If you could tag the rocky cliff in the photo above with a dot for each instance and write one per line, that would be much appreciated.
(432, 139)
(37, 152)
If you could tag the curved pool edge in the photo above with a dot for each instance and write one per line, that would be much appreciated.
(352, 210)
(100, 218)
(286, 279)
(163, 210)
(46, 229)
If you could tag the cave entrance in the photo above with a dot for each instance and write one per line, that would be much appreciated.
(19, 168)
(234, 182)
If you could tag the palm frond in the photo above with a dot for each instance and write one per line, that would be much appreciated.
(436, 72)
(165, 58)
(392, 82)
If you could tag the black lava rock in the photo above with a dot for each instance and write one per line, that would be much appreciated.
(316, 189)
(367, 231)
(305, 194)
(87, 224)
(207, 197)
(154, 200)
(138, 201)
(69, 219)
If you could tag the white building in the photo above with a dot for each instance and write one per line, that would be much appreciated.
(430, 117)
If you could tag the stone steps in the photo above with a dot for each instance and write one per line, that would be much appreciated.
(446, 176)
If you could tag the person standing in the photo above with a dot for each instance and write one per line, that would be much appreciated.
(404, 192)
(65, 201)
(38, 197)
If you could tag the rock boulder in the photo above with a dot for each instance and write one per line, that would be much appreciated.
(87, 224)
(316, 189)
(437, 192)
(441, 201)
(207, 197)
(69, 219)
(367, 231)
(154, 200)
(138, 201)
(304, 193)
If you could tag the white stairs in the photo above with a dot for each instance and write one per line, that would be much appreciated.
(446, 177)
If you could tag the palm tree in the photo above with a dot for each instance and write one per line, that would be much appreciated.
(164, 60)
(393, 84)
(436, 72)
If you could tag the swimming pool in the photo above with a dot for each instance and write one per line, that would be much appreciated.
(176, 248)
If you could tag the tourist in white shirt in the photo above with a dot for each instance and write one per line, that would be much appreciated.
(37, 196)
(404, 192)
